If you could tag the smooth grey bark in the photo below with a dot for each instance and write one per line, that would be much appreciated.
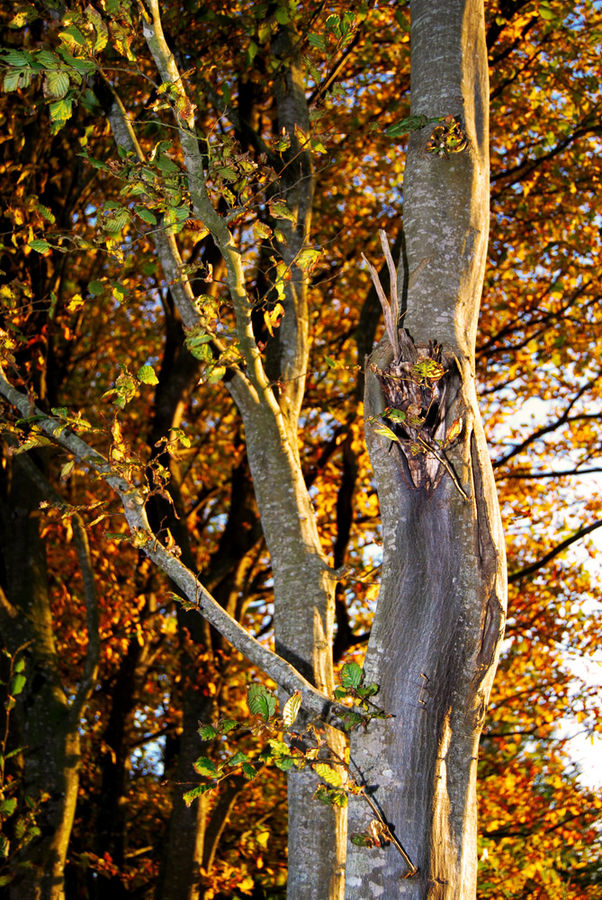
(439, 621)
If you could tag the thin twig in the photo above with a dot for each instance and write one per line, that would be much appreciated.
(389, 834)
(444, 463)
(390, 321)
(392, 277)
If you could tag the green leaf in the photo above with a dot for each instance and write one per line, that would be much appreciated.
(48, 59)
(546, 12)
(263, 31)
(39, 245)
(280, 210)
(284, 763)
(351, 675)
(8, 806)
(360, 839)
(72, 35)
(17, 685)
(205, 766)
(66, 470)
(216, 374)
(226, 725)
(278, 748)
(94, 17)
(15, 752)
(248, 770)
(207, 732)
(197, 342)
(45, 212)
(56, 83)
(261, 702)
(116, 220)
(190, 796)
(316, 40)
(238, 759)
(261, 230)
(146, 215)
(16, 79)
(179, 435)
(166, 165)
(20, 19)
(146, 374)
(118, 291)
(291, 709)
(17, 57)
(330, 796)
(396, 415)
(410, 123)
(4, 851)
(252, 51)
(81, 66)
(429, 368)
(369, 690)
(60, 112)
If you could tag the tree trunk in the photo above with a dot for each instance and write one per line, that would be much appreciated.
(436, 633)
(183, 855)
(46, 724)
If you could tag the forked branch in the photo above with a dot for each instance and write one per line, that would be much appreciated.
(390, 310)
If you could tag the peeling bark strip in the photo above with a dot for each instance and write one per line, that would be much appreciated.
(421, 387)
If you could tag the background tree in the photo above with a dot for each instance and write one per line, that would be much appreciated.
(84, 305)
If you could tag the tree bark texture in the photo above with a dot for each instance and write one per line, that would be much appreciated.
(439, 621)
(46, 723)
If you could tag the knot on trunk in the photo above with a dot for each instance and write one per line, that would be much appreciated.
(420, 386)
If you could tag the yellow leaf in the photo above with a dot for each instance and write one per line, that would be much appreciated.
(328, 774)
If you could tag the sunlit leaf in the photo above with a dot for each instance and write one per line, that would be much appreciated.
(291, 709)
(191, 795)
(146, 374)
(205, 766)
(39, 245)
(328, 774)
(385, 431)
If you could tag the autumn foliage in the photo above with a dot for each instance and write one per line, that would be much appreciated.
(90, 329)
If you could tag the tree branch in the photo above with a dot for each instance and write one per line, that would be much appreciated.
(561, 473)
(555, 551)
(285, 675)
(524, 168)
(564, 419)
(197, 186)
